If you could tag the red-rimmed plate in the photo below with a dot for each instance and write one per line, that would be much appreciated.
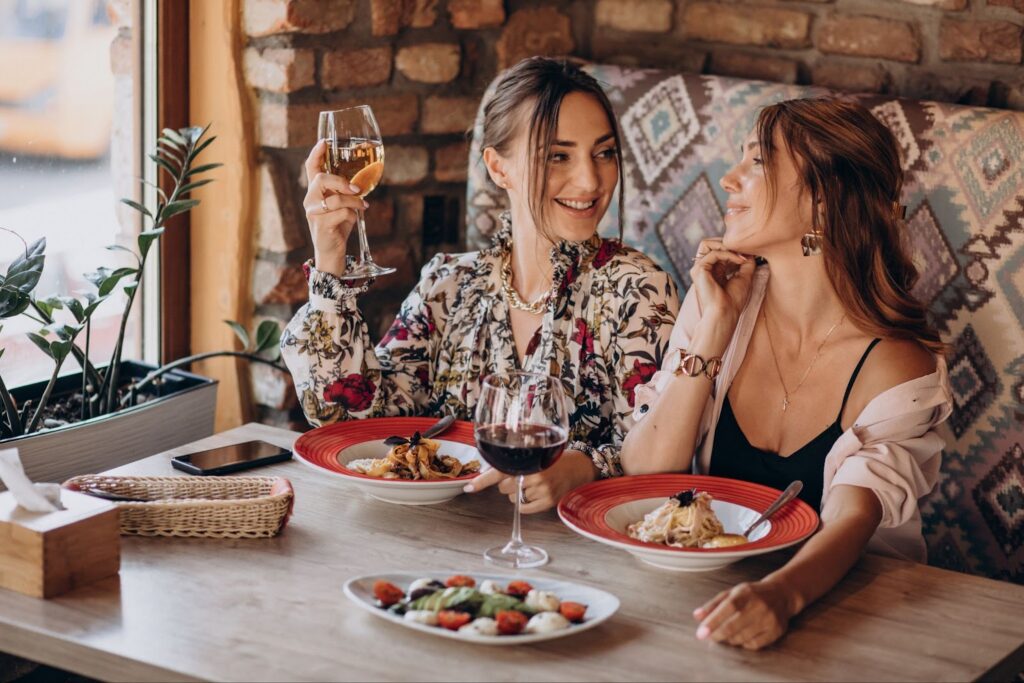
(329, 449)
(603, 509)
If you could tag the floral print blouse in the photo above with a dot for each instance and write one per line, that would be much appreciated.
(604, 331)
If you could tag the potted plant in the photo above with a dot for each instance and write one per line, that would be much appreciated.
(110, 414)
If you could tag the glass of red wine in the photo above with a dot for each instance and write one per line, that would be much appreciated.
(522, 425)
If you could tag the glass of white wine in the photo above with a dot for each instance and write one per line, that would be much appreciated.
(355, 150)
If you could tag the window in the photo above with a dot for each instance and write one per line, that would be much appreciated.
(70, 142)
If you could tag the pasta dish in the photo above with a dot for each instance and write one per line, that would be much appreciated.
(415, 459)
(685, 520)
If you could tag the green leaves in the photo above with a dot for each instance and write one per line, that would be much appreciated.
(175, 154)
(106, 280)
(22, 277)
(147, 238)
(267, 338)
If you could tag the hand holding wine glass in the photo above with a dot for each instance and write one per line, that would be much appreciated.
(522, 426)
(345, 166)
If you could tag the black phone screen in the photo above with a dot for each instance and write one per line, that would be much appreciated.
(232, 455)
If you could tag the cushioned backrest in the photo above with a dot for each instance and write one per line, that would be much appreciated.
(965, 196)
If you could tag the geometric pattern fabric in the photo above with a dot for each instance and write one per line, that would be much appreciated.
(964, 189)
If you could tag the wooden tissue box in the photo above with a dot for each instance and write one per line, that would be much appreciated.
(46, 554)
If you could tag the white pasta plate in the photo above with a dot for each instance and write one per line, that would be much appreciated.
(331, 448)
(600, 604)
(604, 509)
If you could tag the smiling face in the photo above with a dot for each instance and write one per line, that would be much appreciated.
(582, 169)
(754, 223)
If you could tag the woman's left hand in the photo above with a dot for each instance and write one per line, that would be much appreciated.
(543, 490)
(750, 615)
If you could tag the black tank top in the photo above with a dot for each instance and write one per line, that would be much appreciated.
(733, 455)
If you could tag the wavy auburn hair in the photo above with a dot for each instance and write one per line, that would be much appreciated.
(849, 163)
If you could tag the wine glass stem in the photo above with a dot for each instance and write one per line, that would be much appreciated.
(517, 538)
(364, 244)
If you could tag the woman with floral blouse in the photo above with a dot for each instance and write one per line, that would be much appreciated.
(549, 295)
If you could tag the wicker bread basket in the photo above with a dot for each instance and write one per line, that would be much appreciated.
(207, 507)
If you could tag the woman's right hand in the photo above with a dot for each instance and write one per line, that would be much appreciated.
(722, 280)
(331, 203)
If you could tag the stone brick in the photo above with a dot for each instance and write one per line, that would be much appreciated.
(380, 217)
(405, 164)
(745, 65)
(409, 222)
(278, 228)
(980, 41)
(271, 387)
(429, 62)
(650, 16)
(774, 27)
(850, 77)
(274, 283)
(122, 53)
(542, 31)
(1015, 4)
(294, 125)
(269, 17)
(388, 17)
(356, 68)
(476, 13)
(940, 4)
(279, 69)
(448, 114)
(869, 37)
(451, 163)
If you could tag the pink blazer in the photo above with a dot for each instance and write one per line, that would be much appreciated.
(892, 447)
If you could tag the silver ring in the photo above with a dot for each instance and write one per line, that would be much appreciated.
(323, 204)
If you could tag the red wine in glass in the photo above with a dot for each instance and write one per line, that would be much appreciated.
(522, 425)
(526, 450)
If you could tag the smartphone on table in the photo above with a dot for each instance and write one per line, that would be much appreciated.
(227, 459)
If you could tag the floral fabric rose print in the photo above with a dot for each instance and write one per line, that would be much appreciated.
(606, 331)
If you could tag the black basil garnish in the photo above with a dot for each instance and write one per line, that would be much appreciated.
(685, 497)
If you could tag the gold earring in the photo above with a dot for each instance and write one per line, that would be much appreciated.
(811, 243)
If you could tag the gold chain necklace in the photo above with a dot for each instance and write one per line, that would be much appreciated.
(514, 300)
(785, 392)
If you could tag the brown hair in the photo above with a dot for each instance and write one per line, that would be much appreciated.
(849, 163)
(544, 82)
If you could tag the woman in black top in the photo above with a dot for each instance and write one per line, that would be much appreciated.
(831, 329)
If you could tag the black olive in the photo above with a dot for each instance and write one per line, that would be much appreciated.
(685, 497)
(431, 587)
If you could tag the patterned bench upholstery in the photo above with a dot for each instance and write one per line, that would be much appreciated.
(965, 196)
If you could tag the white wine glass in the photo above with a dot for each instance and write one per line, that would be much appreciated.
(522, 425)
(355, 150)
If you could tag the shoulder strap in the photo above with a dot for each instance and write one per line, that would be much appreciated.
(853, 377)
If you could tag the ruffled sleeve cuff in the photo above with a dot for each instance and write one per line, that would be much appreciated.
(328, 290)
(605, 458)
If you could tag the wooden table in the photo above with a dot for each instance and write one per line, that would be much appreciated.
(185, 609)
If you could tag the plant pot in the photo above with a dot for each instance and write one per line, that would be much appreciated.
(183, 412)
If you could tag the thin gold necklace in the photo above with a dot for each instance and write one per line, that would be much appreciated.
(785, 392)
(514, 300)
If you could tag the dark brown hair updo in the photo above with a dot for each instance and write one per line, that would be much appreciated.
(849, 163)
(538, 85)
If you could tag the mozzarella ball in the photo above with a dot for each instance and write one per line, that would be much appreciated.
(546, 622)
(421, 616)
(482, 626)
(542, 601)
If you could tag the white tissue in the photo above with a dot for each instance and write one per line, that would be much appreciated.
(32, 497)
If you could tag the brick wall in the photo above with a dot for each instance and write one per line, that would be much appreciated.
(423, 64)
